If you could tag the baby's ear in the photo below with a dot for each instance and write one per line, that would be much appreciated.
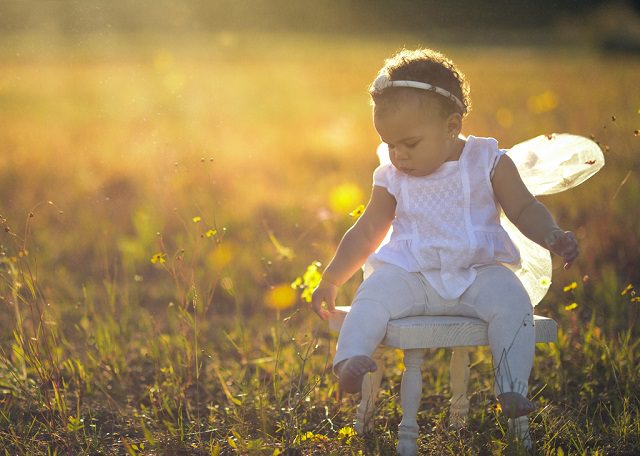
(454, 123)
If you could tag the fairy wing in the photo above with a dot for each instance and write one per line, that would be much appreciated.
(547, 164)
(553, 163)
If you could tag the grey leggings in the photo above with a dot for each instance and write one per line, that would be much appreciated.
(496, 297)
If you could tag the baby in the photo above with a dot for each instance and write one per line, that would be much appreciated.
(447, 254)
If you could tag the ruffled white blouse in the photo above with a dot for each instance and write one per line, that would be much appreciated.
(449, 223)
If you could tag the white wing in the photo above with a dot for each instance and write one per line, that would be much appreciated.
(554, 163)
(548, 164)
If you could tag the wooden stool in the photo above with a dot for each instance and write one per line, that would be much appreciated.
(414, 335)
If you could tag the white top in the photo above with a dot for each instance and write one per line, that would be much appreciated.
(547, 164)
(447, 223)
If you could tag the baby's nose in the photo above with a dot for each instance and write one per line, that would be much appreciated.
(399, 154)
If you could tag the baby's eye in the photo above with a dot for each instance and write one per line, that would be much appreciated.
(412, 145)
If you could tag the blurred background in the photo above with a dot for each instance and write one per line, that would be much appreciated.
(460, 21)
(233, 138)
(168, 169)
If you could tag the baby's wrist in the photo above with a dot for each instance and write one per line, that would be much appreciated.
(552, 236)
(329, 281)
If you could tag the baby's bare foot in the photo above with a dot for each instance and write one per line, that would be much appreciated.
(351, 372)
(515, 405)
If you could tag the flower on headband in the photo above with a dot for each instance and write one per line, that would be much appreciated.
(381, 83)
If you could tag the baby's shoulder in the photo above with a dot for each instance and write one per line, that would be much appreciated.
(386, 175)
(482, 150)
(481, 143)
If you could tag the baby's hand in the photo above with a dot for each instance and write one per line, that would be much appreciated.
(326, 293)
(564, 244)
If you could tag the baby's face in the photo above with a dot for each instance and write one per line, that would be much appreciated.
(418, 136)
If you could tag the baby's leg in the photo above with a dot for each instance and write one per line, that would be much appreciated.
(351, 371)
(363, 329)
(499, 298)
(515, 404)
(390, 292)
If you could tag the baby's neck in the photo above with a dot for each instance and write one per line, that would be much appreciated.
(456, 149)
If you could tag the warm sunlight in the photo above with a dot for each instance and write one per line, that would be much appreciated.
(175, 178)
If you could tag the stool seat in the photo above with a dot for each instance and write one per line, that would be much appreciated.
(443, 331)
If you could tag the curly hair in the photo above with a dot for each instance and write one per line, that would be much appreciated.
(425, 65)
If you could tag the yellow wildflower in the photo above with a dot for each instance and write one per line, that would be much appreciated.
(159, 257)
(309, 280)
(357, 212)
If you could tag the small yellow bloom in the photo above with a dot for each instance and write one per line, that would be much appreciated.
(626, 290)
(571, 286)
(159, 257)
(309, 436)
(346, 434)
(197, 219)
(635, 299)
(357, 212)
(571, 306)
(308, 281)
(346, 431)
(211, 233)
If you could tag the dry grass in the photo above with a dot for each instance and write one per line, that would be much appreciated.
(111, 148)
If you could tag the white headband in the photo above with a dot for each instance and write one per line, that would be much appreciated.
(383, 82)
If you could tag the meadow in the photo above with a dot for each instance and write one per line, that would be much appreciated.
(159, 197)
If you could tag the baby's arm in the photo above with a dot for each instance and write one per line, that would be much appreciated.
(529, 215)
(355, 247)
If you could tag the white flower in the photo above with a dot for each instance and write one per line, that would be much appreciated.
(381, 83)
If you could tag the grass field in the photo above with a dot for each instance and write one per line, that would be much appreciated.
(158, 198)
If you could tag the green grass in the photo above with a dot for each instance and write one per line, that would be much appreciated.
(111, 148)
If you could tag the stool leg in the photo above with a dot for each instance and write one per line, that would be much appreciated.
(459, 381)
(370, 386)
(519, 428)
(410, 396)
